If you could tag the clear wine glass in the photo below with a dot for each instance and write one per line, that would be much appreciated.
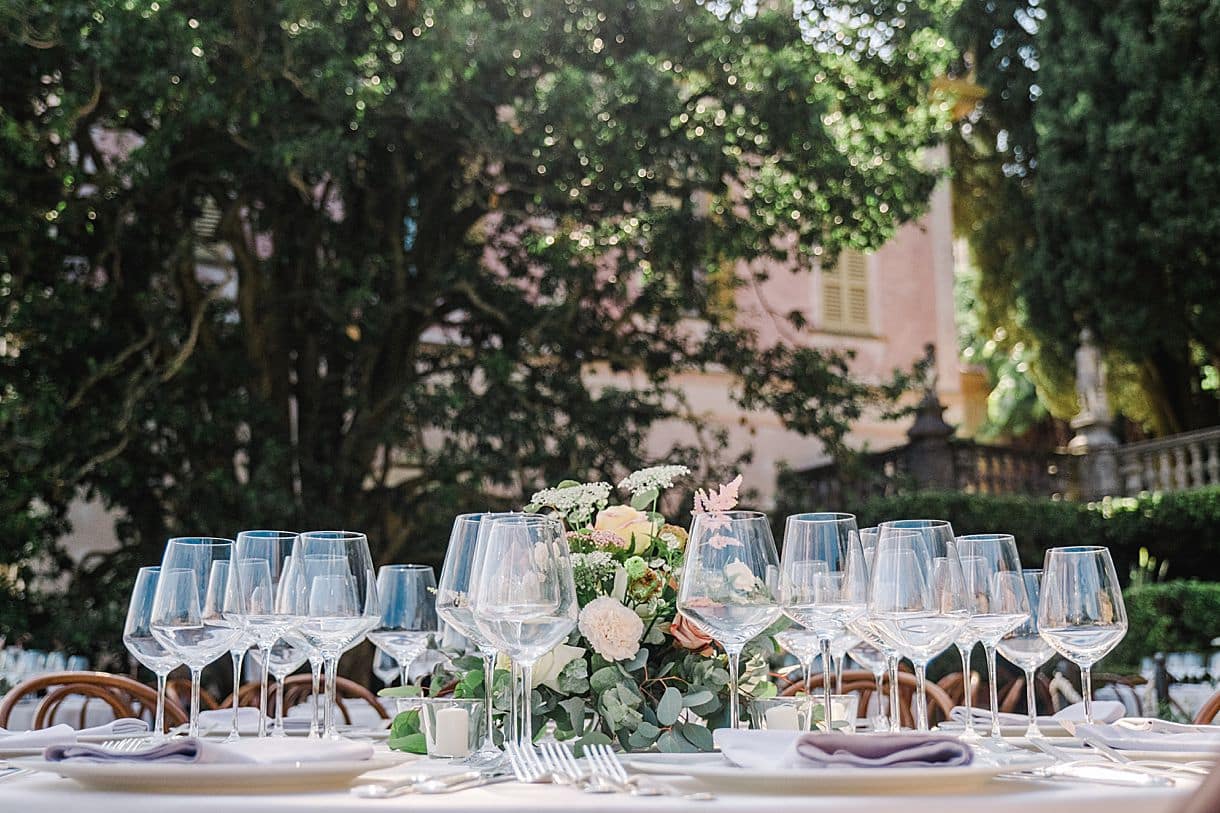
(1080, 611)
(408, 613)
(730, 585)
(917, 600)
(143, 645)
(237, 650)
(523, 595)
(871, 636)
(840, 645)
(261, 558)
(873, 659)
(998, 601)
(285, 656)
(1024, 648)
(453, 606)
(804, 646)
(823, 580)
(336, 600)
(188, 615)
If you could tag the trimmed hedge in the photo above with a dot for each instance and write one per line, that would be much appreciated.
(1177, 616)
(1182, 530)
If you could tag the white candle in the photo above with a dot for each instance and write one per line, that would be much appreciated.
(782, 718)
(452, 733)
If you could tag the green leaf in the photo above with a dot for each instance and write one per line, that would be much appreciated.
(569, 484)
(592, 738)
(698, 698)
(574, 708)
(574, 678)
(411, 743)
(649, 730)
(605, 678)
(637, 662)
(405, 723)
(697, 735)
(643, 499)
(400, 691)
(532, 508)
(669, 707)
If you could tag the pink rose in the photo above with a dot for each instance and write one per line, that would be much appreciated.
(687, 634)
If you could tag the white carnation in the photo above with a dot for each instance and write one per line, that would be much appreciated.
(657, 477)
(614, 631)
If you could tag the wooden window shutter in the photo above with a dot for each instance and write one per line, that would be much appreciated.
(832, 297)
(855, 273)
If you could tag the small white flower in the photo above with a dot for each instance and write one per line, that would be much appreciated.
(740, 576)
(657, 477)
(614, 631)
(548, 667)
(587, 497)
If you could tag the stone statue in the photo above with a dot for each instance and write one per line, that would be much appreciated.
(1091, 380)
(930, 377)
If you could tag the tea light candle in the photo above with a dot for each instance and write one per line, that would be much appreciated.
(452, 732)
(782, 718)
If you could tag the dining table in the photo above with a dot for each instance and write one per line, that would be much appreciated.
(46, 793)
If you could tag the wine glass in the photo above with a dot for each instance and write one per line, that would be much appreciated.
(730, 584)
(523, 595)
(284, 657)
(335, 599)
(917, 602)
(840, 645)
(261, 557)
(143, 645)
(1024, 648)
(237, 650)
(823, 581)
(998, 600)
(453, 606)
(873, 659)
(188, 614)
(408, 613)
(385, 668)
(1080, 611)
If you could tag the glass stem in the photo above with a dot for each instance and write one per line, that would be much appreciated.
(262, 690)
(809, 675)
(839, 673)
(891, 663)
(514, 703)
(330, 728)
(196, 676)
(159, 724)
(315, 668)
(967, 694)
(921, 699)
(993, 692)
(402, 672)
(1086, 692)
(878, 681)
(238, 655)
(1031, 703)
(826, 715)
(734, 700)
(279, 706)
(527, 702)
(489, 691)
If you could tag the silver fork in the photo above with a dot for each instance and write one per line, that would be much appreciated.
(526, 765)
(126, 746)
(606, 764)
(564, 767)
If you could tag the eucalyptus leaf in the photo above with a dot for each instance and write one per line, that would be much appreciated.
(644, 499)
(697, 735)
(699, 698)
(605, 678)
(669, 707)
(592, 738)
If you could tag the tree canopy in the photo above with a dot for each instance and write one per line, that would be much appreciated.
(1089, 189)
(337, 263)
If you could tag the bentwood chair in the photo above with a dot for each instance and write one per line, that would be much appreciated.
(861, 682)
(124, 696)
(298, 688)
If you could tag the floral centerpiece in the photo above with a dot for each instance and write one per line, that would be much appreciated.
(634, 670)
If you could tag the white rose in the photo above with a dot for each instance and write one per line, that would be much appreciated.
(548, 667)
(614, 631)
(740, 576)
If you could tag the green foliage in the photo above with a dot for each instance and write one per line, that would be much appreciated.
(1087, 183)
(420, 225)
(1178, 530)
(1176, 616)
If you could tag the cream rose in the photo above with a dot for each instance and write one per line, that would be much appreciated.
(614, 631)
(740, 577)
(632, 526)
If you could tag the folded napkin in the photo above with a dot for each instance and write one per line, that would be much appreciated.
(62, 733)
(763, 750)
(217, 720)
(1158, 735)
(200, 751)
(1107, 711)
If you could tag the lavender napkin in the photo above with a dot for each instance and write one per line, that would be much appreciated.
(787, 749)
(191, 750)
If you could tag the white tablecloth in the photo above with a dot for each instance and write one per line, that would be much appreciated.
(42, 793)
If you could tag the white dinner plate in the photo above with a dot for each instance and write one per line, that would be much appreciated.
(179, 777)
(715, 770)
(1048, 729)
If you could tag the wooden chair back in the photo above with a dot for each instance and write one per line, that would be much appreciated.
(859, 680)
(298, 688)
(180, 690)
(125, 697)
(1208, 711)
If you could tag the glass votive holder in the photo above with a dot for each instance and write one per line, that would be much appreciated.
(782, 713)
(842, 713)
(453, 727)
